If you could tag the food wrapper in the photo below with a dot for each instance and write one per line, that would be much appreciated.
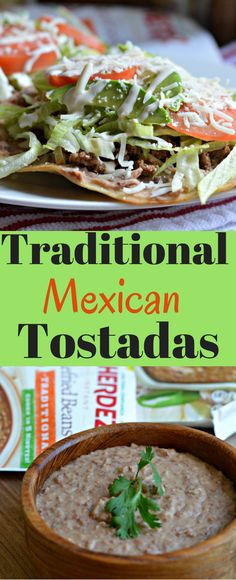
(207, 405)
(39, 406)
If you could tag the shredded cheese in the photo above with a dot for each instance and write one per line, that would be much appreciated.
(128, 104)
(35, 54)
(121, 155)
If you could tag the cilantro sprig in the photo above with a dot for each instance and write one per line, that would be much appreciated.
(127, 497)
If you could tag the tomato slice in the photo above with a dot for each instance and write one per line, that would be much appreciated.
(45, 60)
(79, 36)
(206, 132)
(13, 62)
(62, 80)
(124, 75)
(90, 25)
(15, 55)
(20, 53)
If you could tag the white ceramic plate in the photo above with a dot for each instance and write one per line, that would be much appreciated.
(53, 192)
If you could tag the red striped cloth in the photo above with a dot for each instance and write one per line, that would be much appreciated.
(216, 215)
(220, 215)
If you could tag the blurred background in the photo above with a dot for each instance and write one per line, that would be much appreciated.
(218, 16)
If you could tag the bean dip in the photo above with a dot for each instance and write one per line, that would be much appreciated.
(198, 501)
(5, 419)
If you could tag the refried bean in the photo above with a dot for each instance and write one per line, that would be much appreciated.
(5, 419)
(198, 501)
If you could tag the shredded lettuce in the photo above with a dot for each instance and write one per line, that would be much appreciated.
(196, 148)
(38, 115)
(40, 81)
(160, 145)
(62, 136)
(218, 177)
(57, 94)
(59, 156)
(136, 129)
(159, 131)
(28, 119)
(14, 163)
(10, 113)
(108, 127)
(188, 165)
(73, 140)
(99, 147)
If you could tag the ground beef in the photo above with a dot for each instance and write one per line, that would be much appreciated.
(205, 161)
(145, 165)
(210, 159)
(159, 156)
(136, 154)
(218, 156)
(132, 152)
(7, 146)
(88, 160)
(148, 163)
(5, 149)
(136, 173)
(147, 169)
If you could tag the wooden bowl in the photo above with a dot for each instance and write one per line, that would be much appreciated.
(56, 557)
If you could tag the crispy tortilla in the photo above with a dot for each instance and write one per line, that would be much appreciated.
(106, 185)
(114, 189)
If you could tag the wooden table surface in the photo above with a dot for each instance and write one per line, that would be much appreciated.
(14, 556)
